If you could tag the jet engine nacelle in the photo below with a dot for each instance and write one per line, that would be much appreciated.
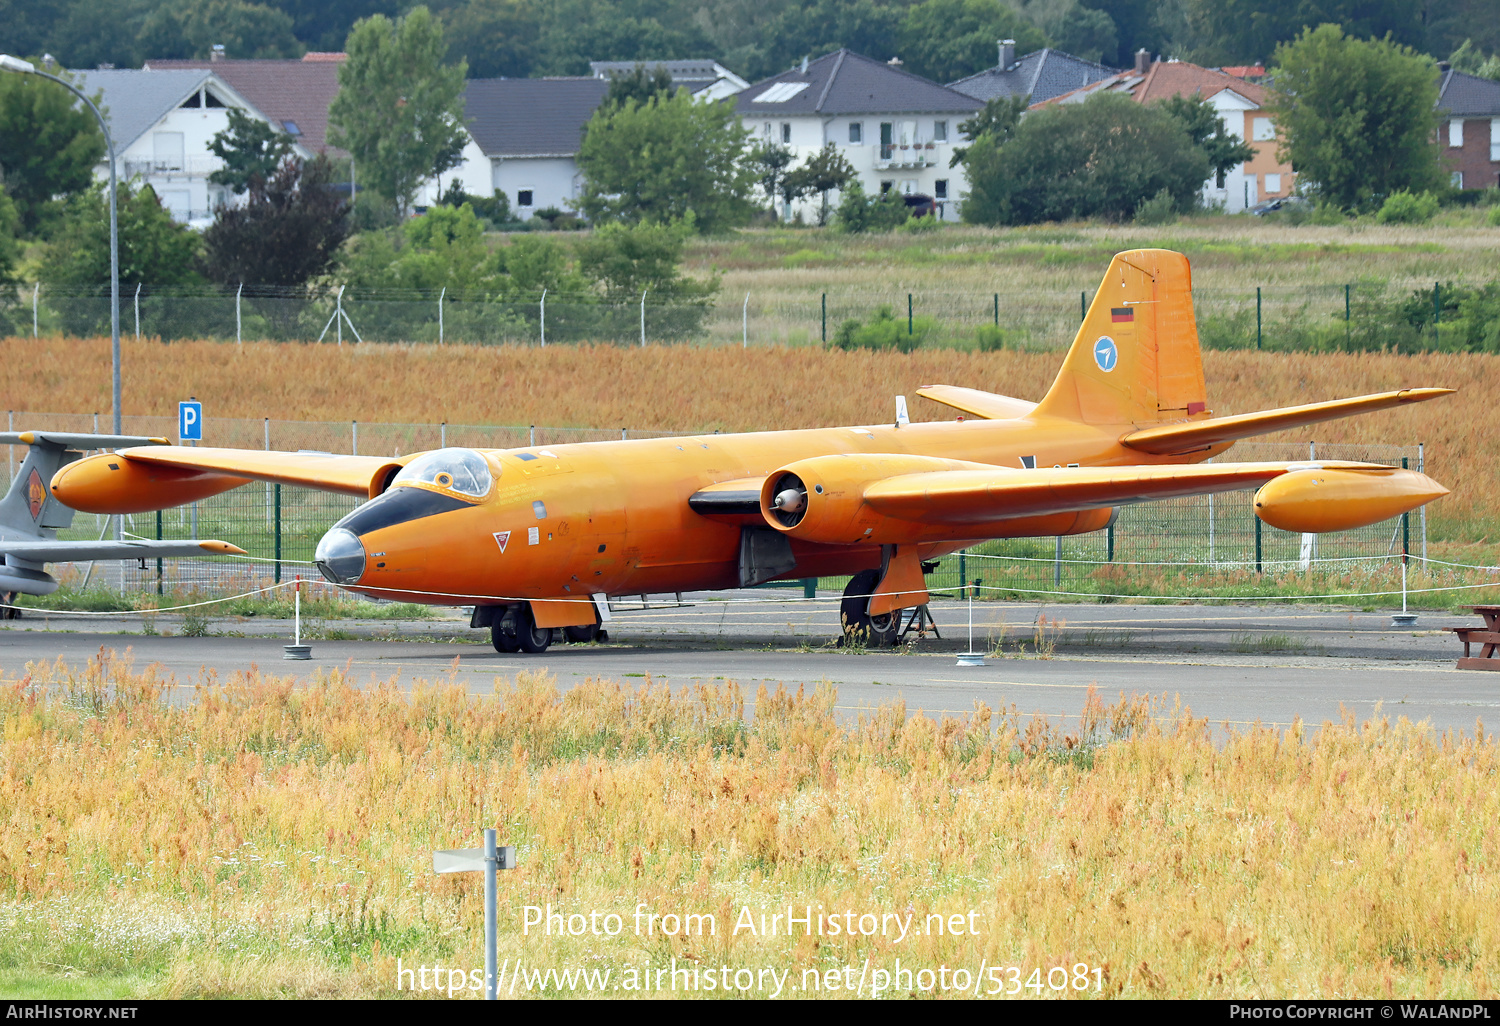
(821, 499)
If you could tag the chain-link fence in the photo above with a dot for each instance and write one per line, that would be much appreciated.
(1402, 315)
(1162, 548)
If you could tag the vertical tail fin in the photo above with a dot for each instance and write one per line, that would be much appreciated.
(1135, 360)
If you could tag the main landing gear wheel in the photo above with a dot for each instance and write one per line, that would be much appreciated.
(859, 625)
(11, 610)
(532, 639)
(582, 635)
(504, 640)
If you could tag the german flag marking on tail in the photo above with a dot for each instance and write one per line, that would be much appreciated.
(1121, 315)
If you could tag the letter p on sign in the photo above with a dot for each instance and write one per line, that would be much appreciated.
(190, 421)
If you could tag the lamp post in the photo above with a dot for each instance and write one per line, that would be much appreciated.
(9, 63)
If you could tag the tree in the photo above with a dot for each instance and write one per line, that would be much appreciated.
(251, 150)
(859, 212)
(1206, 128)
(996, 122)
(769, 161)
(9, 250)
(1250, 30)
(155, 252)
(1357, 118)
(949, 39)
(639, 85)
(399, 109)
(190, 28)
(287, 234)
(497, 38)
(658, 161)
(1099, 158)
(824, 171)
(49, 144)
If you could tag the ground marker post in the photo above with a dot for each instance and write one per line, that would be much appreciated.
(1404, 618)
(971, 657)
(486, 860)
(296, 650)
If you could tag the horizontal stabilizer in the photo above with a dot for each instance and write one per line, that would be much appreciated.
(984, 405)
(1188, 436)
(72, 551)
(74, 440)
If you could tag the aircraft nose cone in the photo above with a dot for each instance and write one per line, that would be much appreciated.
(340, 556)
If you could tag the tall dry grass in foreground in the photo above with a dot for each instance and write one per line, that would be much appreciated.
(702, 389)
(273, 836)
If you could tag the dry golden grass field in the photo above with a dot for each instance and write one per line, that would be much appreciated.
(273, 837)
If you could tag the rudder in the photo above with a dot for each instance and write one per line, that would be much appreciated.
(1135, 360)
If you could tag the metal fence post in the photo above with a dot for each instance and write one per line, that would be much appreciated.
(544, 318)
(643, 317)
(1257, 320)
(1437, 315)
(825, 317)
(908, 315)
(1346, 315)
(138, 313)
(1057, 564)
(354, 436)
(745, 323)
(1422, 469)
(997, 309)
(1083, 306)
(238, 335)
(278, 532)
(533, 435)
(1405, 528)
(440, 313)
(1109, 544)
(158, 558)
(1257, 542)
(35, 291)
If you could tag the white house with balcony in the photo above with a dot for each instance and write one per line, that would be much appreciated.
(896, 129)
(162, 123)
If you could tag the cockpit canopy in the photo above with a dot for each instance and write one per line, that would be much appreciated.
(460, 471)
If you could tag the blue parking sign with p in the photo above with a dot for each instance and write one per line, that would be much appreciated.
(190, 421)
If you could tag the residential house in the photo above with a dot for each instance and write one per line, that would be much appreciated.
(897, 129)
(705, 79)
(1040, 75)
(1241, 105)
(1470, 131)
(293, 94)
(524, 135)
(161, 123)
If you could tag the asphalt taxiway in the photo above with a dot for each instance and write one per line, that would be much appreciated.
(1237, 665)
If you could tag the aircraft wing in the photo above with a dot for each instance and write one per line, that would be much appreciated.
(1187, 436)
(1316, 494)
(142, 479)
(72, 551)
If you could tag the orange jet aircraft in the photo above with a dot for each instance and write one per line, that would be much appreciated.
(538, 538)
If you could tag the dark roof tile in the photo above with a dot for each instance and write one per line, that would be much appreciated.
(531, 117)
(845, 82)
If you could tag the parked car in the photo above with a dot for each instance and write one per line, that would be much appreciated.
(1283, 203)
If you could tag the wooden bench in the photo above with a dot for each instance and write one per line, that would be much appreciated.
(1487, 637)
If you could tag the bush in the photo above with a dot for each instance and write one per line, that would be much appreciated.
(1493, 217)
(1327, 214)
(858, 212)
(883, 332)
(991, 338)
(1159, 209)
(1402, 207)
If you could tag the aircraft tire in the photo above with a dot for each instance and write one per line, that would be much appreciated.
(505, 642)
(582, 635)
(884, 630)
(533, 640)
(856, 621)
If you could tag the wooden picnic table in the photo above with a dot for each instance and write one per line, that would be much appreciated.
(1487, 636)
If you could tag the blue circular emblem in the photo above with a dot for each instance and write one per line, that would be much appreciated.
(1105, 353)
